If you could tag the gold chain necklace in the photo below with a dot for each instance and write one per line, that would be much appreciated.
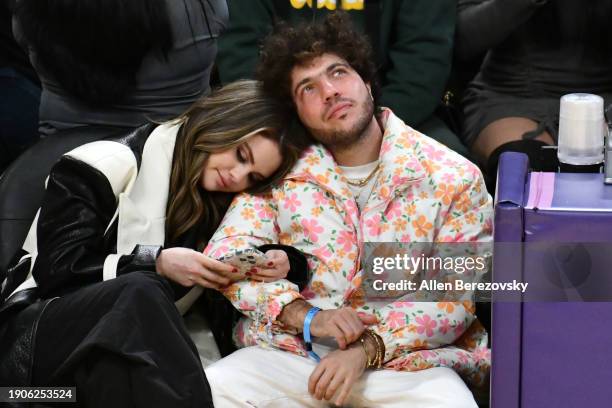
(362, 182)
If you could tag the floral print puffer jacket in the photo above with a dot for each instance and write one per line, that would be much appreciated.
(424, 192)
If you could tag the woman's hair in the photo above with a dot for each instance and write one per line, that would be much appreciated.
(223, 120)
(94, 48)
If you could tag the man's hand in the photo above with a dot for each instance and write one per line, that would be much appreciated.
(276, 267)
(188, 267)
(345, 325)
(337, 371)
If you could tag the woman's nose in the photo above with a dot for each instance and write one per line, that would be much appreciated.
(239, 173)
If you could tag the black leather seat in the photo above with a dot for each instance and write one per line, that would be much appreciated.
(22, 186)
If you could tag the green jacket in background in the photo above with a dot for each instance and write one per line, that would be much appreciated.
(413, 46)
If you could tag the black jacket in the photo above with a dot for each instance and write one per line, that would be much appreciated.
(76, 234)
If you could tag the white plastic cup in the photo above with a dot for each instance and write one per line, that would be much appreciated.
(582, 129)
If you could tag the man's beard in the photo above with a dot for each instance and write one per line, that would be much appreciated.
(342, 139)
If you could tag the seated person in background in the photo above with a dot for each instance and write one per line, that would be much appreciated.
(20, 94)
(116, 63)
(412, 42)
(536, 51)
(371, 178)
(118, 239)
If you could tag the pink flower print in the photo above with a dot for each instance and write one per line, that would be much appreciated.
(394, 210)
(432, 153)
(319, 198)
(219, 252)
(427, 354)
(396, 320)
(444, 326)
(425, 325)
(292, 202)
(463, 357)
(345, 239)
(482, 354)
(373, 225)
(273, 309)
(351, 208)
(311, 229)
(246, 306)
(385, 147)
(448, 178)
(264, 211)
(322, 252)
(459, 329)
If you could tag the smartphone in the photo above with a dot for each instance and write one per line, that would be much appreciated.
(244, 260)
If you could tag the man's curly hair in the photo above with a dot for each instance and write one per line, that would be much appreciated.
(287, 47)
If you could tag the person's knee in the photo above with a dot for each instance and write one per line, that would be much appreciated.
(145, 287)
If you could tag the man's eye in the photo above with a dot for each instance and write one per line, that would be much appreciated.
(338, 72)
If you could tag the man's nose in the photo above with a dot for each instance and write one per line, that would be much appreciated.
(329, 90)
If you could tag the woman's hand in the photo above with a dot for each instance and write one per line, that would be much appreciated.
(188, 267)
(276, 267)
(337, 372)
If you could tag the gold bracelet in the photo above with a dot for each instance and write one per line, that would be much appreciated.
(380, 348)
(365, 350)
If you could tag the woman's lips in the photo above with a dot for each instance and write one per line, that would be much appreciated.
(222, 181)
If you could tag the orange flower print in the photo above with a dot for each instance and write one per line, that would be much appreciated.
(257, 224)
(322, 178)
(400, 224)
(421, 226)
(449, 307)
(229, 230)
(316, 211)
(430, 166)
(313, 160)
(285, 239)
(295, 227)
(445, 193)
(470, 218)
(419, 345)
(232, 292)
(423, 195)
(334, 265)
(464, 203)
(411, 209)
(457, 225)
(247, 213)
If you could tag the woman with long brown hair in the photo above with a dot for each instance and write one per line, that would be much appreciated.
(91, 299)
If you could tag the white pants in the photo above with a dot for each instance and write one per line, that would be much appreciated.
(258, 377)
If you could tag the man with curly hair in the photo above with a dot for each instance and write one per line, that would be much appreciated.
(371, 178)
(412, 43)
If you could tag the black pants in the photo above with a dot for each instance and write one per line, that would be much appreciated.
(122, 343)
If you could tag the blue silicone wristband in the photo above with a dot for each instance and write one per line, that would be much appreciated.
(307, 321)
